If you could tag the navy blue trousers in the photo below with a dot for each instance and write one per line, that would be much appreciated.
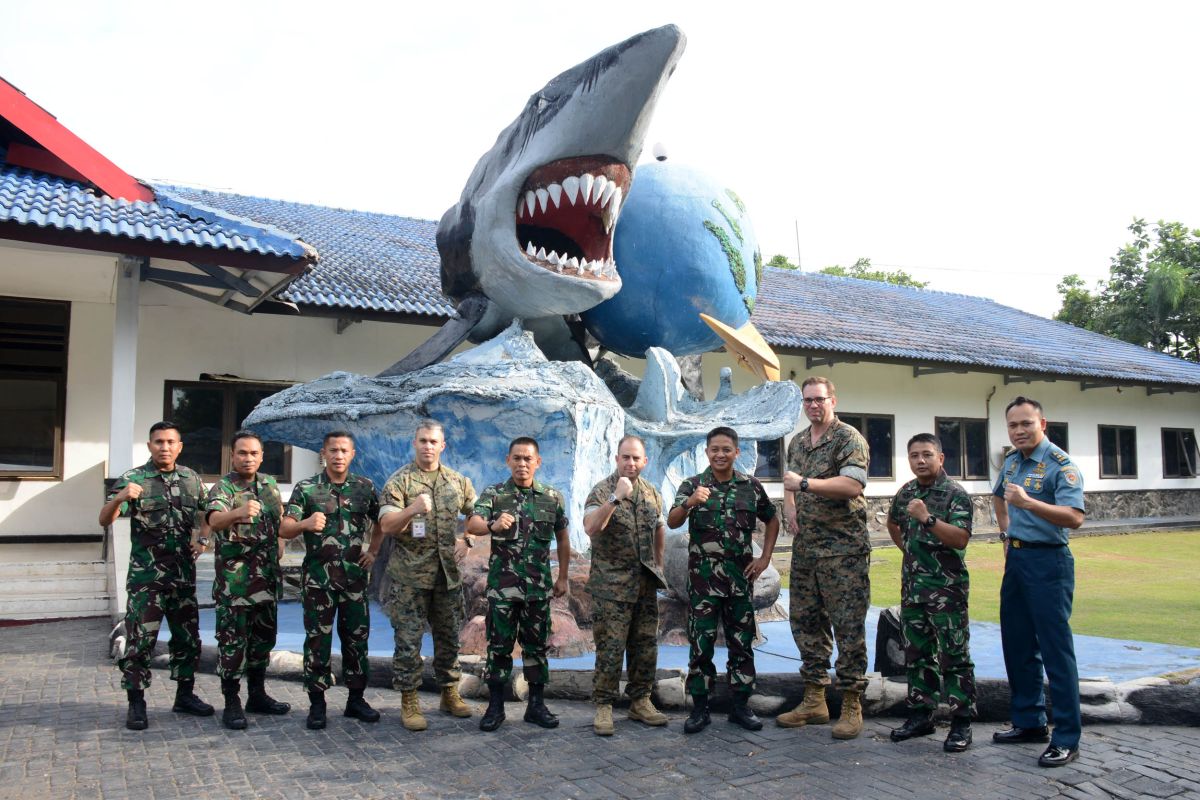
(1035, 630)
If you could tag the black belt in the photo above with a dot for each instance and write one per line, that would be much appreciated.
(1021, 544)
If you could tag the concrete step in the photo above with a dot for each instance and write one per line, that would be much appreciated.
(52, 605)
(63, 585)
(47, 569)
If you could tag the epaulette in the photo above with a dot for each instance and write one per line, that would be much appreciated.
(1060, 456)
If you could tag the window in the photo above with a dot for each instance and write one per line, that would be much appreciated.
(1056, 432)
(33, 387)
(770, 460)
(1179, 452)
(878, 430)
(965, 445)
(1118, 451)
(208, 413)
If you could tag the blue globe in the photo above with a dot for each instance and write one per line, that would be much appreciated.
(683, 245)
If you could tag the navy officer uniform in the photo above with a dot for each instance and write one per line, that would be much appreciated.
(1036, 594)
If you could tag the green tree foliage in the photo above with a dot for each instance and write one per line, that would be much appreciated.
(1152, 295)
(862, 269)
(779, 261)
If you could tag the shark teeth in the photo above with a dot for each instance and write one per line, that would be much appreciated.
(582, 190)
(561, 263)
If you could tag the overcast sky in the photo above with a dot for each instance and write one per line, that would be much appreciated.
(987, 148)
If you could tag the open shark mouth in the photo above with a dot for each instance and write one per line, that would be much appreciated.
(566, 213)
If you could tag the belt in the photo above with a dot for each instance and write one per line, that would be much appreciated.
(1020, 544)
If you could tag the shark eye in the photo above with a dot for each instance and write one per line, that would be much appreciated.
(542, 103)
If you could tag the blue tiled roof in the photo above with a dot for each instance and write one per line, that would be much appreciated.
(46, 201)
(371, 262)
(830, 314)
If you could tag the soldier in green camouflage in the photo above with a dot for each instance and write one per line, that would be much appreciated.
(721, 506)
(335, 510)
(421, 506)
(523, 516)
(244, 509)
(830, 585)
(623, 516)
(164, 500)
(930, 521)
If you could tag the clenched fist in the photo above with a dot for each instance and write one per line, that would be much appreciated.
(423, 504)
(624, 488)
(698, 497)
(251, 510)
(316, 522)
(132, 491)
(502, 522)
(917, 510)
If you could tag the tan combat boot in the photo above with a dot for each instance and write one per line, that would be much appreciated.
(811, 711)
(602, 724)
(642, 710)
(410, 711)
(453, 704)
(850, 724)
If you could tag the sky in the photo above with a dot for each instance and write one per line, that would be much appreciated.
(988, 148)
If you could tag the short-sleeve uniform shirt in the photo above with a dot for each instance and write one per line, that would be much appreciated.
(1049, 475)
(331, 555)
(519, 568)
(933, 572)
(830, 526)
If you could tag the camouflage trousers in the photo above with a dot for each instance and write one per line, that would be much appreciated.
(513, 620)
(353, 614)
(409, 608)
(626, 632)
(144, 611)
(829, 598)
(937, 651)
(245, 638)
(736, 614)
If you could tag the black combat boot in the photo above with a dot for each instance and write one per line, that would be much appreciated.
(536, 711)
(186, 701)
(741, 714)
(358, 707)
(494, 716)
(316, 711)
(699, 719)
(135, 718)
(259, 702)
(232, 717)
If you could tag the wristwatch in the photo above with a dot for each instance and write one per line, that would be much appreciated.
(612, 498)
(929, 522)
(804, 484)
(202, 541)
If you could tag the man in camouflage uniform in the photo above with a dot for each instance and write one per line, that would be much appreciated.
(721, 506)
(164, 501)
(243, 510)
(422, 503)
(522, 515)
(335, 510)
(830, 585)
(624, 518)
(930, 521)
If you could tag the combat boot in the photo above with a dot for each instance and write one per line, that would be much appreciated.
(259, 702)
(186, 701)
(232, 717)
(410, 711)
(453, 704)
(358, 707)
(642, 710)
(850, 724)
(813, 710)
(494, 716)
(316, 711)
(135, 717)
(536, 711)
(740, 713)
(699, 719)
(602, 723)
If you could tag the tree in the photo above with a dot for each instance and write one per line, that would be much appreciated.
(1152, 295)
(862, 269)
(779, 261)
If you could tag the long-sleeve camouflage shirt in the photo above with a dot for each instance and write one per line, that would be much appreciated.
(247, 554)
(624, 549)
(519, 567)
(162, 521)
(830, 526)
(415, 560)
(933, 572)
(331, 554)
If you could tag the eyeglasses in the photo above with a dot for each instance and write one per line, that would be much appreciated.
(816, 401)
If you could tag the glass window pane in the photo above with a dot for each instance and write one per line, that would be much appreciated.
(198, 411)
(273, 453)
(879, 440)
(1127, 441)
(1171, 449)
(1056, 432)
(28, 415)
(1188, 454)
(948, 432)
(1108, 451)
(770, 459)
(853, 420)
(976, 446)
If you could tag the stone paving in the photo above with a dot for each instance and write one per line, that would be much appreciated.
(62, 736)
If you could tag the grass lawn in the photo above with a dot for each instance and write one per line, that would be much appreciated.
(1140, 586)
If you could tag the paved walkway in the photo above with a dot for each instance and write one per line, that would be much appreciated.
(62, 736)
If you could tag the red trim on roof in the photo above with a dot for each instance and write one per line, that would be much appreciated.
(65, 148)
(22, 155)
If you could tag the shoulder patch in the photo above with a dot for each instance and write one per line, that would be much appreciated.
(1070, 475)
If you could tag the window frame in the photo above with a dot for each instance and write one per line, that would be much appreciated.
(228, 422)
(891, 420)
(60, 379)
(1100, 452)
(782, 460)
(962, 445)
(1195, 466)
(1064, 445)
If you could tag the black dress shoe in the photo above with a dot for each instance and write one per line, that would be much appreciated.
(1058, 756)
(914, 726)
(959, 738)
(1015, 735)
